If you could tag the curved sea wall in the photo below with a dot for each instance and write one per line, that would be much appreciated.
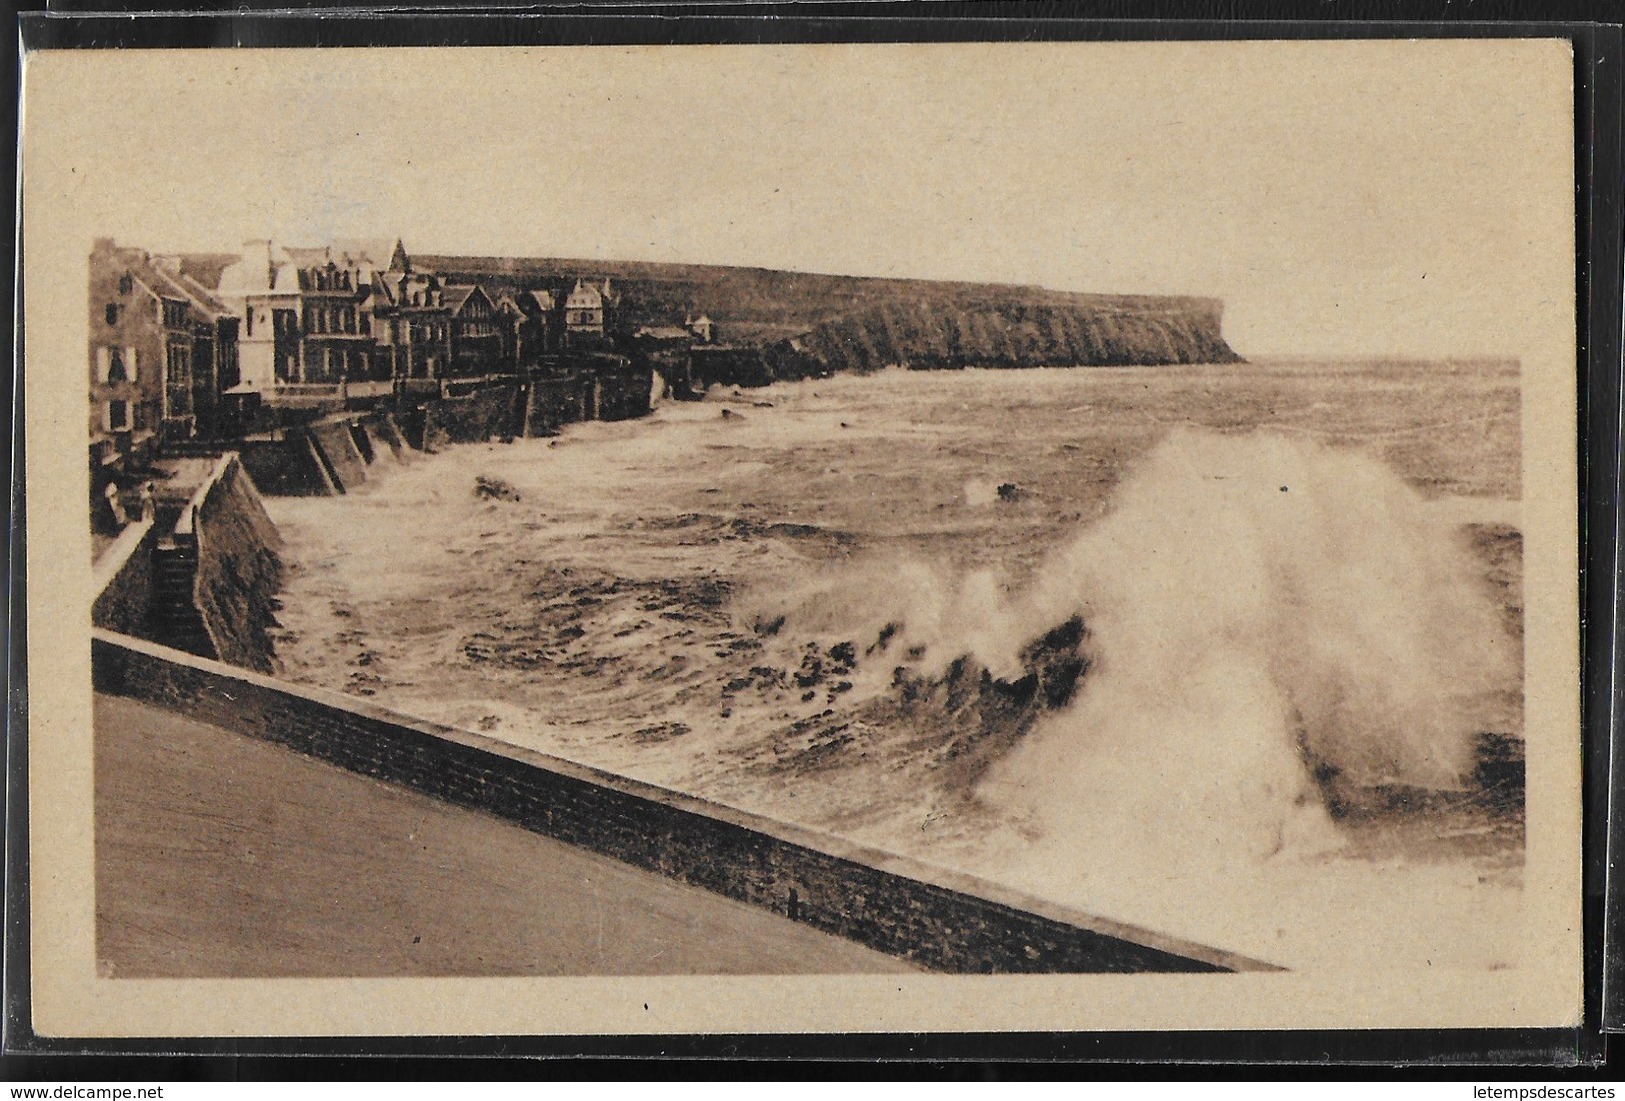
(204, 580)
(937, 919)
(928, 335)
(125, 581)
(239, 569)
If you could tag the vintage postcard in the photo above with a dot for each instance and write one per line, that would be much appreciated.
(1038, 536)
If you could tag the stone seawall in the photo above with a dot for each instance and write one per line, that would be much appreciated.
(938, 919)
(554, 403)
(625, 395)
(288, 467)
(125, 581)
(324, 458)
(239, 570)
(345, 465)
(491, 411)
(387, 441)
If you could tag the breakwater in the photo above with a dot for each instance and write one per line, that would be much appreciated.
(937, 919)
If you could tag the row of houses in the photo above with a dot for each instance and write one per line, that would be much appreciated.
(184, 348)
(357, 313)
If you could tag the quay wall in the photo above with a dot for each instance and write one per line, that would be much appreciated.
(125, 581)
(490, 411)
(239, 569)
(289, 467)
(363, 442)
(323, 458)
(625, 395)
(554, 403)
(937, 919)
(387, 441)
(345, 466)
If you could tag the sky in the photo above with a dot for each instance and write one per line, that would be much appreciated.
(1355, 198)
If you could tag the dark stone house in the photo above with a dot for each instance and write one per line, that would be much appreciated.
(162, 347)
(476, 333)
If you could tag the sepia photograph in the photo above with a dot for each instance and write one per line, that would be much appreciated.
(812, 537)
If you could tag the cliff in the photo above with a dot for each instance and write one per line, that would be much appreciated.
(809, 324)
(930, 335)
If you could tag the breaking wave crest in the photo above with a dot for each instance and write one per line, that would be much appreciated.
(1259, 625)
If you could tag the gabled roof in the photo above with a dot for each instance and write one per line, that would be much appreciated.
(161, 277)
(173, 284)
(542, 299)
(585, 296)
(145, 284)
(455, 298)
(385, 289)
(204, 268)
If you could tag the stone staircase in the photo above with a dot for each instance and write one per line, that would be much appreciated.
(175, 620)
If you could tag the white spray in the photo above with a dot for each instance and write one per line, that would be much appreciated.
(1256, 602)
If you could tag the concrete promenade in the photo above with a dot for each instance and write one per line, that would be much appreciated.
(222, 855)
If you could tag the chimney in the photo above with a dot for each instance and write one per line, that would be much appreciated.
(257, 258)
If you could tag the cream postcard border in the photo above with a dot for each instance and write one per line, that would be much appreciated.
(61, 115)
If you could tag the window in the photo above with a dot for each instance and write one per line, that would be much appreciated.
(112, 313)
(126, 283)
(115, 365)
(249, 318)
(116, 416)
(178, 385)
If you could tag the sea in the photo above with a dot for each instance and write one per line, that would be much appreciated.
(1214, 650)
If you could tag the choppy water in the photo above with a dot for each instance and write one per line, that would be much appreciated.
(926, 611)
